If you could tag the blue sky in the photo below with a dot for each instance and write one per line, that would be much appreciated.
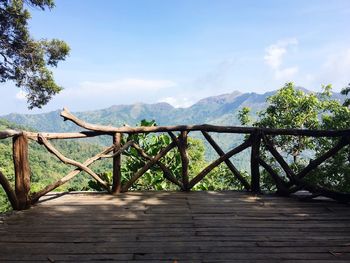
(130, 51)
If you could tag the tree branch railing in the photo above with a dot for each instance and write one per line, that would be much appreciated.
(21, 198)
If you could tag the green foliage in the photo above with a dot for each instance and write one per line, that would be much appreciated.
(94, 185)
(4, 203)
(24, 60)
(243, 116)
(293, 108)
(346, 91)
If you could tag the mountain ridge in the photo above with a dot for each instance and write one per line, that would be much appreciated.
(217, 110)
(207, 110)
(220, 110)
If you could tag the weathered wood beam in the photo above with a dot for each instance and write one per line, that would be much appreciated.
(218, 161)
(166, 171)
(9, 133)
(68, 135)
(53, 150)
(174, 138)
(205, 127)
(147, 166)
(280, 184)
(11, 195)
(22, 171)
(182, 146)
(320, 191)
(117, 175)
(314, 163)
(120, 151)
(254, 162)
(289, 172)
(229, 164)
(301, 184)
(35, 197)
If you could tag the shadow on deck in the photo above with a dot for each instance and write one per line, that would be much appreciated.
(177, 226)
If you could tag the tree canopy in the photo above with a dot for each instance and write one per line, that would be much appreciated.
(24, 60)
(293, 108)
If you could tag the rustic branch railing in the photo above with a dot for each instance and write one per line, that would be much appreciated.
(20, 198)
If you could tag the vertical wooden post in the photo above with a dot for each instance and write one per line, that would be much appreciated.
(22, 171)
(254, 162)
(117, 176)
(184, 159)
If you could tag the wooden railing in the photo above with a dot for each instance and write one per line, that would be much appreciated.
(21, 198)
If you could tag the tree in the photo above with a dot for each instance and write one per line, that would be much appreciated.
(293, 108)
(24, 60)
(345, 91)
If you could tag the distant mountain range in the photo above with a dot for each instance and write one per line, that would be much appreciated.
(220, 110)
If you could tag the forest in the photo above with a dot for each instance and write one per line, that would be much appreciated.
(288, 108)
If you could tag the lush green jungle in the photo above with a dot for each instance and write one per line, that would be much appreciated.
(287, 108)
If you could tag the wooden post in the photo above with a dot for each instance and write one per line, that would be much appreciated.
(254, 162)
(22, 171)
(117, 176)
(184, 159)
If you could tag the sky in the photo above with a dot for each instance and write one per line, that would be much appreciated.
(179, 51)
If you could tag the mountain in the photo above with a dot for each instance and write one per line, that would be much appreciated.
(220, 109)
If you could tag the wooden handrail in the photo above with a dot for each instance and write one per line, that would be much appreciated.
(204, 127)
(20, 197)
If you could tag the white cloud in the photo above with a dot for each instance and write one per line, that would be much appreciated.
(182, 102)
(120, 86)
(21, 95)
(274, 55)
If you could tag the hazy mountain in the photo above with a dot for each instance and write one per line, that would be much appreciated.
(220, 109)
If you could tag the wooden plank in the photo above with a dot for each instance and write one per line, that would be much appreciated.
(147, 227)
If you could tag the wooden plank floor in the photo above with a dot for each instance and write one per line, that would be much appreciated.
(175, 226)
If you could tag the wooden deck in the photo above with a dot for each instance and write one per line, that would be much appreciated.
(177, 226)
